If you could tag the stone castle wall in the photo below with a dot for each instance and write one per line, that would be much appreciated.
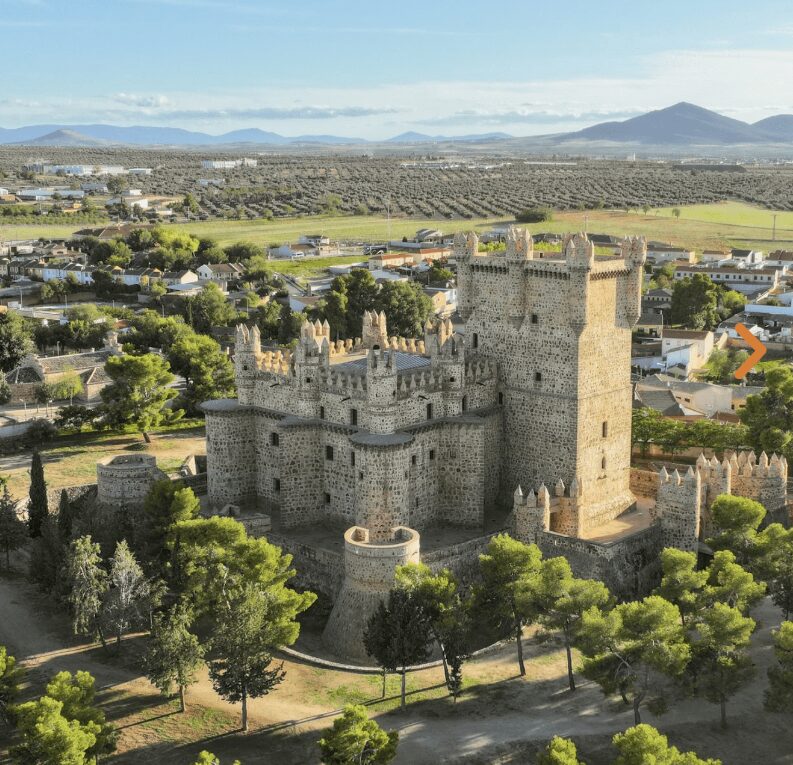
(125, 479)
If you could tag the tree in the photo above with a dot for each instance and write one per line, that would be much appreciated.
(695, 302)
(779, 696)
(10, 680)
(397, 634)
(207, 758)
(37, 498)
(559, 600)
(508, 569)
(735, 522)
(77, 695)
(87, 582)
(74, 417)
(174, 654)
(239, 252)
(560, 751)
(731, 584)
(720, 664)
(774, 564)
(16, 340)
(167, 504)
(289, 325)
(769, 415)
(681, 583)
(354, 739)
(208, 309)
(534, 215)
(48, 738)
(438, 597)
(248, 630)
(676, 212)
(643, 745)
(46, 558)
(128, 591)
(406, 307)
(208, 372)
(13, 531)
(139, 392)
(634, 649)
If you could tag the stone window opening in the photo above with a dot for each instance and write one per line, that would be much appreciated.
(534, 318)
(322, 413)
(276, 485)
(605, 428)
(432, 454)
(413, 459)
(360, 475)
(327, 498)
(465, 403)
(329, 453)
(475, 340)
(603, 462)
(275, 439)
(538, 377)
(308, 380)
(353, 416)
(429, 411)
(500, 399)
(352, 459)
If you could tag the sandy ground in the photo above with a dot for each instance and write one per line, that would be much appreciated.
(505, 714)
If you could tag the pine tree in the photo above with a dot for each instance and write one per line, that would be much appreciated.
(87, 582)
(643, 744)
(174, 653)
(779, 696)
(560, 751)
(10, 678)
(125, 600)
(37, 504)
(354, 739)
(13, 531)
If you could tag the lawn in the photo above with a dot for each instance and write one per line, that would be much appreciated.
(71, 460)
(313, 266)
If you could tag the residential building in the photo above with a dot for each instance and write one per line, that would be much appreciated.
(746, 280)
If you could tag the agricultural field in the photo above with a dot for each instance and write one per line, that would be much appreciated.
(465, 187)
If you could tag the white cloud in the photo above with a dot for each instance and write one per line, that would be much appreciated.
(147, 102)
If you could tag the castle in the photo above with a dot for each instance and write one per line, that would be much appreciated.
(373, 452)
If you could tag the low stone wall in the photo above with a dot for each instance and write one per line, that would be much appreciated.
(74, 494)
(630, 567)
(318, 570)
(644, 483)
(461, 559)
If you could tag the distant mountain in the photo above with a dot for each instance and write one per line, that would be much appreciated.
(413, 137)
(689, 125)
(64, 138)
(778, 128)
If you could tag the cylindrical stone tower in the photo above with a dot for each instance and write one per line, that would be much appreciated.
(125, 480)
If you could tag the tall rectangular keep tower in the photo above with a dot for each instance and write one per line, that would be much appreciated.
(559, 327)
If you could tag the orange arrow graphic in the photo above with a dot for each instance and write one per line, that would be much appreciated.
(758, 348)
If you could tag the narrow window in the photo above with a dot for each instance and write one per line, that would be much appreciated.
(605, 428)
(276, 485)
(413, 459)
(322, 413)
(475, 340)
(327, 498)
(432, 454)
(603, 463)
(353, 416)
(534, 318)
(465, 403)
(329, 453)
(275, 439)
(352, 459)
(429, 411)
(500, 399)
(537, 377)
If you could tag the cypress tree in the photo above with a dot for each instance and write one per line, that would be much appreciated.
(37, 504)
(65, 519)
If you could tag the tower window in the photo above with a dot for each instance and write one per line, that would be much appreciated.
(413, 459)
(500, 399)
(465, 403)
(327, 498)
(603, 463)
(534, 318)
(429, 411)
(329, 453)
(353, 416)
(275, 439)
(322, 413)
(475, 340)
(432, 454)
(352, 459)
(276, 485)
(605, 428)
(538, 377)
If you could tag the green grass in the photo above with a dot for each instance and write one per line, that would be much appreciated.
(733, 214)
(313, 266)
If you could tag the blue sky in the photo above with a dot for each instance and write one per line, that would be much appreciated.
(373, 69)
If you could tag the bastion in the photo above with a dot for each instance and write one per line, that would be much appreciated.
(124, 480)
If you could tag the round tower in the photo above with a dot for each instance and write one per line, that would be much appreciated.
(368, 576)
(125, 479)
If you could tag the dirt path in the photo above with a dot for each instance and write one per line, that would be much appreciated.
(497, 715)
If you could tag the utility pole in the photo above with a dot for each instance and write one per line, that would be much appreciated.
(773, 231)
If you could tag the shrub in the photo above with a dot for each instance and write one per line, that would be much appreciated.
(534, 215)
